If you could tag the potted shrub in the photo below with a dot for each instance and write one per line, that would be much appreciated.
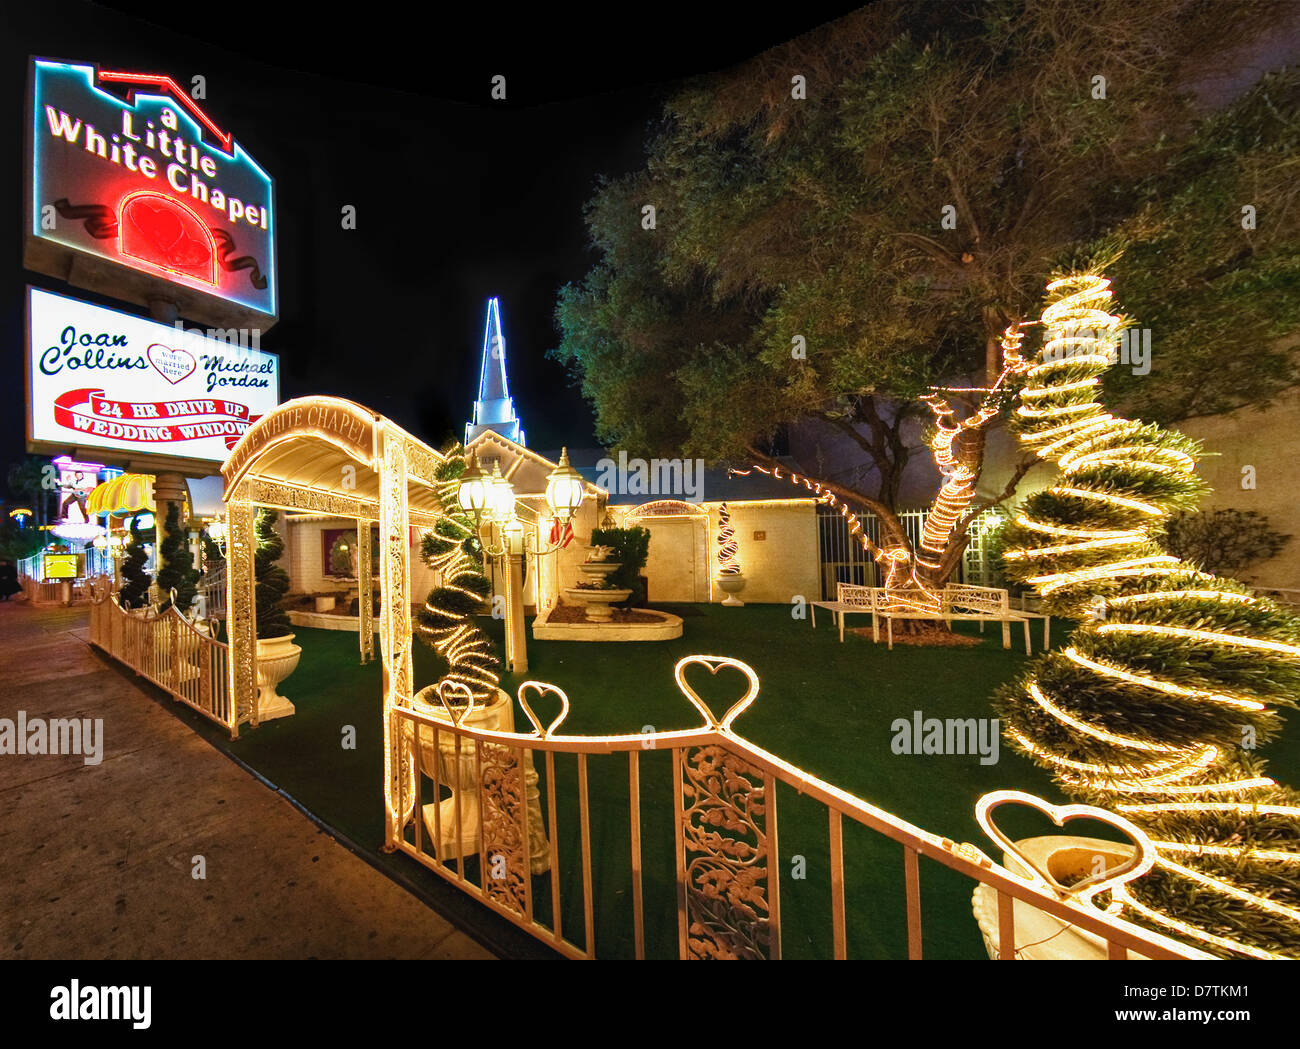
(446, 624)
(277, 655)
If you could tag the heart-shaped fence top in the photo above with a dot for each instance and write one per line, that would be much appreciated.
(542, 688)
(716, 663)
(446, 690)
(1144, 852)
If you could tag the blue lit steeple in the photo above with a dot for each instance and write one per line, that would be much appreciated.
(494, 410)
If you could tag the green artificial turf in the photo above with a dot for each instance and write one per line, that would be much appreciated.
(825, 707)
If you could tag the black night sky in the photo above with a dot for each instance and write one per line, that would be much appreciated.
(457, 197)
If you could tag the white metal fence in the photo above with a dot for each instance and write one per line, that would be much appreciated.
(470, 803)
(178, 656)
(843, 560)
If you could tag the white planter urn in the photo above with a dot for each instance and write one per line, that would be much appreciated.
(277, 658)
(463, 782)
(731, 585)
(1041, 936)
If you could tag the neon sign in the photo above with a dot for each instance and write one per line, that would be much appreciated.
(137, 193)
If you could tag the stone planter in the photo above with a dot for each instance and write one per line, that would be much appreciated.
(597, 604)
(277, 658)
(1041, 936)
(731, 585)
(461, 779)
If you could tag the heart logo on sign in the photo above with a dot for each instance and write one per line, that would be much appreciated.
(172, 365)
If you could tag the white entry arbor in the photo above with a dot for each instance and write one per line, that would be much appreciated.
(329, 455)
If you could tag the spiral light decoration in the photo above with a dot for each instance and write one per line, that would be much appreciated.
(728, 550)
(1153, 708)
(446, 620)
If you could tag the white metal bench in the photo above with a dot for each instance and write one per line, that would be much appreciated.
(960, 602)
(850, 600)
(1021, 606)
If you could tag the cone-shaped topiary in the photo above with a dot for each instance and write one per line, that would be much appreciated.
(446, 622)
(272, 580)
(1153, 708)
(135, 580)
(176, 569)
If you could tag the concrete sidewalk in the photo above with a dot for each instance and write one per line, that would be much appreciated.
(97, 861)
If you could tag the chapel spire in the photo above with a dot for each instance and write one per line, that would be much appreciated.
(494, 410)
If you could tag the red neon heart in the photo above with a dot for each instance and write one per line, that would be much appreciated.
(167, 234)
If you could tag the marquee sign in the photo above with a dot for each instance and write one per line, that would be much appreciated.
(97, 378)
(134, 192)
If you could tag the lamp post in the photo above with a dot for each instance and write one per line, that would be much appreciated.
(114, 547)
(564, 489)
(491, 501)
(472, 493)
(217, 533)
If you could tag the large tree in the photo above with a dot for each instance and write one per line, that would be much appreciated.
(854, 218)
(1210, 262)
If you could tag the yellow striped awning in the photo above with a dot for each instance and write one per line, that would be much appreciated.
(124, 494)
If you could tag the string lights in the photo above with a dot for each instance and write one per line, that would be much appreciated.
(1173, 673)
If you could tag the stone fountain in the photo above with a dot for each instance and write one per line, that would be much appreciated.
(595, 595)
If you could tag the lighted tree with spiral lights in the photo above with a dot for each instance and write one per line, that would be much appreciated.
(446, 622)
(1153, 708)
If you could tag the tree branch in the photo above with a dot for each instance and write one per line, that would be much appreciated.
(889, 520)
(1017, 475)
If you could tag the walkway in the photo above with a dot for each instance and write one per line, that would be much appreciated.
(98, 861)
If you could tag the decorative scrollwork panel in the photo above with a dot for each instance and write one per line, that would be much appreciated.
(728, 866)
(241, 615)
(502, 804)
(421, 464)
(395, 638)
(293, 497)
(365, 593)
